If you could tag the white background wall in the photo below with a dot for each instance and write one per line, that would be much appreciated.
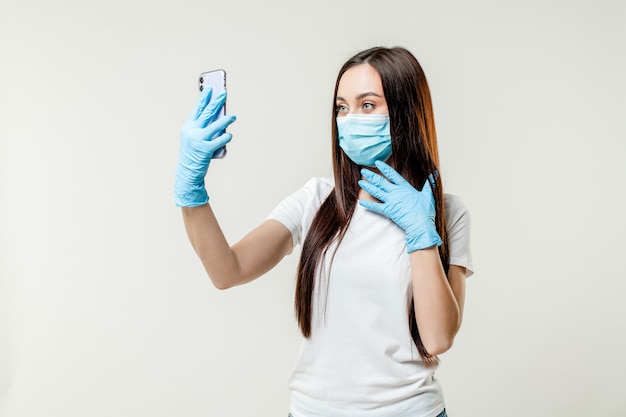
(105, 309)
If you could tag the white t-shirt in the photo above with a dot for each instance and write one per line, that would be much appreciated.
(360, 360)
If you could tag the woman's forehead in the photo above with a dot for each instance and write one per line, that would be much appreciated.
(358, 80)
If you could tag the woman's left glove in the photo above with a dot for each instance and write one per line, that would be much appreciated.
(412, 210)
(200, 137)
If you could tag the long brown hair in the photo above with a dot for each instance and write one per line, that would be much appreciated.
(414, 156)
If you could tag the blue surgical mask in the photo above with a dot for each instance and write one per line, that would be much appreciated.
(365, 138)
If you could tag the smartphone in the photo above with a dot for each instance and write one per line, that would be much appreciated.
(215, 79)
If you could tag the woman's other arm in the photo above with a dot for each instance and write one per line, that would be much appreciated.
(438, 300)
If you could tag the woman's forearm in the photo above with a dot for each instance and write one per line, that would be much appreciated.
(211, 246)
(437, 310)
(255, 254)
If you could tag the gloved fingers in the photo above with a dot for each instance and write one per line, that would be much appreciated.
(375, 207)
(376, 179)
(210, 112)
(431, 181)
(373, 190)
(218, 126)
(207, 148)
(203, 100)
(428, 184)
(390, 173)
(220, 141)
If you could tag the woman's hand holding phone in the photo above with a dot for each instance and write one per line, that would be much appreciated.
(201, 137)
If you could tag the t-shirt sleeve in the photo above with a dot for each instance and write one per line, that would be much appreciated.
(297, 210)
(458, 224)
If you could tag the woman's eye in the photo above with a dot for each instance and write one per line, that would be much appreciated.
(342, 108)
(368, 106)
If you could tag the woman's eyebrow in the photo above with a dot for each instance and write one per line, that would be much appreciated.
(361, 96)
(369, 93)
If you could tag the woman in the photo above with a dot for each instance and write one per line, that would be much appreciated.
(381, 279)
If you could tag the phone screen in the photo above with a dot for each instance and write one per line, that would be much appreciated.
(215, 79)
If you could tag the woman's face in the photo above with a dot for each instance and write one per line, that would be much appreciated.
(360, 91)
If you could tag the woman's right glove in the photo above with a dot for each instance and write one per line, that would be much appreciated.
(200, 137)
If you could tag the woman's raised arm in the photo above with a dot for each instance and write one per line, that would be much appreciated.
(255, 254)
(201, 137)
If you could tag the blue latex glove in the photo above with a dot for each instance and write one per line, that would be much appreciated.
(197, 147)
(412, 210)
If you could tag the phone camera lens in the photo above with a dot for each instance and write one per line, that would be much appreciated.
(201, 88)
(201, 79)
